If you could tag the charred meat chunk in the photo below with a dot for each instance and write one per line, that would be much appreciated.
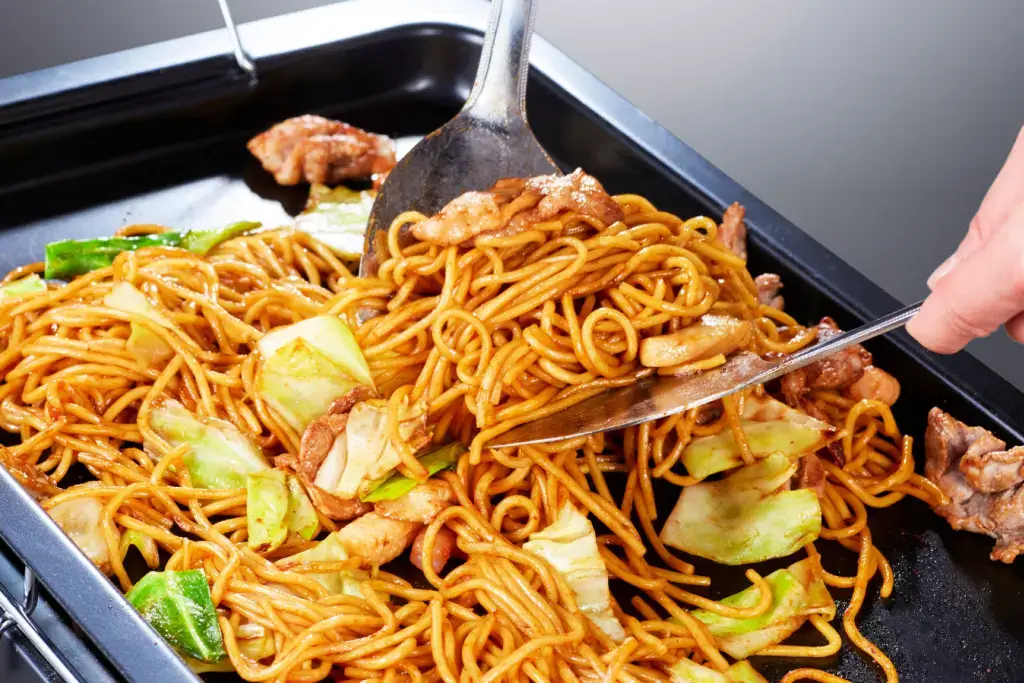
(768, 287)
(314, 149)
(733, 231)
(514, 205)
(982, 479)
(838, 371)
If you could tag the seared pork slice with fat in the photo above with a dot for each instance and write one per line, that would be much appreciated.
(982, 479)
(838, 371)
(317, 150)
(515, 205)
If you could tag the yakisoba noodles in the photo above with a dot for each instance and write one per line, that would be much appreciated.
(489, 335)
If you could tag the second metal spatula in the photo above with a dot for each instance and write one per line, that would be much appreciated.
(488, 140)
(657, 397)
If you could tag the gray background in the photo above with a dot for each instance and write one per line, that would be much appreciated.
(876, 126)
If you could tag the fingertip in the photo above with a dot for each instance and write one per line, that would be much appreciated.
(931, 332)
(944, 268)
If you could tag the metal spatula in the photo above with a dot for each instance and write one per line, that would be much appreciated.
(657, 397)
(488, 140)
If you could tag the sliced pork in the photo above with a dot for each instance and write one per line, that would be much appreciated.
(514, 205)
(315, 149)
(984, 481)
(838, 371)
(768, 287)
(733, 231)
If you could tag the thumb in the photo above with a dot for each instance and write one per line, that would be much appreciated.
(982, 290)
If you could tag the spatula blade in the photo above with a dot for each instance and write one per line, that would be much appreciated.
(649, 399)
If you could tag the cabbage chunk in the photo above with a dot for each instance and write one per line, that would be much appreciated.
(331, 549)
(770, 426)
(307, 366)
(301, 516)
(219, 456)
(30, 284)
(363, 455)
(179, 606)
(330, 336)
(275, 506)
(337, 217)
(300, 383)
(687, 671)
(570, 546)
(745, 517)
(143, 342)
(266, 507)
(797, 592)
(397, 484)
(81, 519)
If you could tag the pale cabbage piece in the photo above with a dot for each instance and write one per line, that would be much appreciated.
(798, 591)
(143, 543)
(687, 671)
(770, 426)
(219, 456)
(337, 217)
(743, 672)
(330, 336)
(788, 599)
(82, 520)
(746, 644)
(301, 517)
(30, 284)
(745, 517)
(362, 456)
(266, 509)
(570, 546)
(331, 549)
(299, 383)
(143, 342)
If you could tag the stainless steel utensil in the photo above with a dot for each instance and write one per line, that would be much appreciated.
(488, 140)
(657, 397)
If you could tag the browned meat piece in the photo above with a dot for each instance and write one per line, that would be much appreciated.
(333, 507)
(317, 150)
(768, 286)
(981, 478)
(837, 371)
(875, 385)
(316, 443)
(463, 218)
(733, 231)
(989, 468)
(444, 548)
(577, 192)
(515, 204)
(810, 474)
(377, 539)
(343, 404)
(422, 504)
(31, 478)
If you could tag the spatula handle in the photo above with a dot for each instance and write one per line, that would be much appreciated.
(499, 92)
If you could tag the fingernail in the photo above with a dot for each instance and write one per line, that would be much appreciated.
(941, 272)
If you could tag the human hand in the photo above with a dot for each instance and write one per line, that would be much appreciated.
(981, 286)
